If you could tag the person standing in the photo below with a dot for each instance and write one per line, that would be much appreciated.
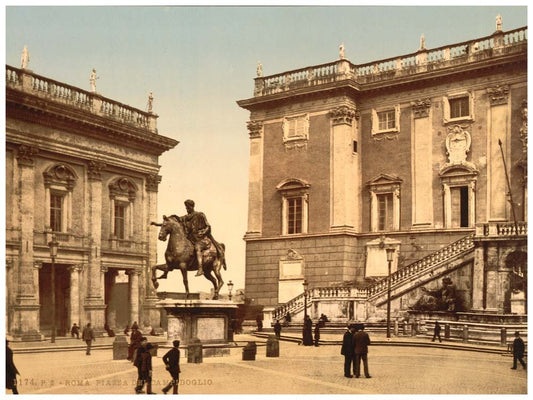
(88, 336)
(518, 350)
(259, 322)
(317, 333)
(307, 332)
(75, 331)
(135, 341)
(436, 332)
(143, 362)
(172, 362)
(277, 329)
(347, 350)
(361, 343)
(11, 370)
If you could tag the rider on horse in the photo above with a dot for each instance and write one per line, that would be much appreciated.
(198, 232)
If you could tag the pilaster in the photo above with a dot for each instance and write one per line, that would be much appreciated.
(255, 179)
(134, 294)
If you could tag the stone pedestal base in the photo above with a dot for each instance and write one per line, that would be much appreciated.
(206, 320)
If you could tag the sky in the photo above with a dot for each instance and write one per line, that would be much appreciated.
(198, 61)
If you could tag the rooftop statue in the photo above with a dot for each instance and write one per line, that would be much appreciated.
(498, 22)
(24, 58)
(92, 80)
(191, 248)
(422, 42)
(259, 69)
(341, 51)
(150, 102)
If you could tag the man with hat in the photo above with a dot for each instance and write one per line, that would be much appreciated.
(361, 341)
(347, 350)
(172, 363)
(199, 233)
(518, 350)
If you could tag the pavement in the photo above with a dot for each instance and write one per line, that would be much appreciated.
(403, 365)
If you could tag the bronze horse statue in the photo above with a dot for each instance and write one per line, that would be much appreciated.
(180, 254)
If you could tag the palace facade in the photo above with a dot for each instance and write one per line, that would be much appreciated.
(81, 170)
(419, 153)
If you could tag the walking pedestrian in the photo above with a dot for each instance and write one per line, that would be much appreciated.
(75, 331)
(143, 362)
(11, 370)
(307, 332)
(347, 350)
(88, 336)
(277, 329)
(172, 362)
(518, 350)
(317, 333)
(288, 319)
(361, 343)
(259, 321)
(436, 332)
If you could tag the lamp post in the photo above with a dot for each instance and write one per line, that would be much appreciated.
(53, 245)
(390, 254)
(305, 285)
(230, 288)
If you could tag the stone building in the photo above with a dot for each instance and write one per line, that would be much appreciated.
(81, 169)
(347, 160)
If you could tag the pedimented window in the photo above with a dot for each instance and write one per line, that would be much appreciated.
(384, 203)
(294, 206)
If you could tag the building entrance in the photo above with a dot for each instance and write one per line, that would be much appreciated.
(116, 299)
(62, 298)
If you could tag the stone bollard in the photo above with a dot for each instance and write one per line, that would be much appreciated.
(404, 328)
(396, 327)
(272, 347)
(249, 351)
(413, 328)
(465, 333)
(120, 348)
(503, 336)
(194, 351)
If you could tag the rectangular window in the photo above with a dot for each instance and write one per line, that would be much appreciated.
(296, 127)
(459, 206)
(294, 215)
(386, 120)
(385, 212)
(120, 220)
(56, 212)
(459, 107)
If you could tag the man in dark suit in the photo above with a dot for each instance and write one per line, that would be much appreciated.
(347, 350)
(172, 362)
(88, 336)
(361, 342)
(518, 350)
(11, 370)
(436, 332)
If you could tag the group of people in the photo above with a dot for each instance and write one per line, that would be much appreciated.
(307, 332)
(354, 349)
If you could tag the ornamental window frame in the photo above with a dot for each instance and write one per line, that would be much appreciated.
(447, 107)
(59, 180)
(384, 185)
(122, 193)
(453, 177)
(301, 128)
(389, 111)
(291, 190)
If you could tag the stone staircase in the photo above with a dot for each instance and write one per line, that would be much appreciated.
(404, 280)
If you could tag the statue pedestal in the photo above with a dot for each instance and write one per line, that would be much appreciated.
(207, 320)
(518, 303)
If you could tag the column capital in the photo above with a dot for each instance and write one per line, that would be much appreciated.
(152, 182)
(255, 129)
(75, 268)
(94, 170)
(344, 115)
(421, 108)
(26, 155)
(36, 264)
(498, 94)
(133, 272)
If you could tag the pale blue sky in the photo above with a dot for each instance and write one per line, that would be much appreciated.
(199, 61)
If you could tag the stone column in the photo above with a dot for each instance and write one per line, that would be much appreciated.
(94, 302)
(422, 159)
(26, 309)
(134, 295)
(345, 183)
(497, 190)
(150, 312)
(255, 179)
(74, 315)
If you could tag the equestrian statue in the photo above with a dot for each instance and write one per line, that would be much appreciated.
(191, 247)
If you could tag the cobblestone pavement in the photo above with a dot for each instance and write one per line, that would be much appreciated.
(298, 370)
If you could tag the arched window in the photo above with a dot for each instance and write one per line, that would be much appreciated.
(294, 206)
(59, 182)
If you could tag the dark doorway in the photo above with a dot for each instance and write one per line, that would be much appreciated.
(62, 298)
(460, 207)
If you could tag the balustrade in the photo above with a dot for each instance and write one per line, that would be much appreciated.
(429, 60)
(79, 98)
